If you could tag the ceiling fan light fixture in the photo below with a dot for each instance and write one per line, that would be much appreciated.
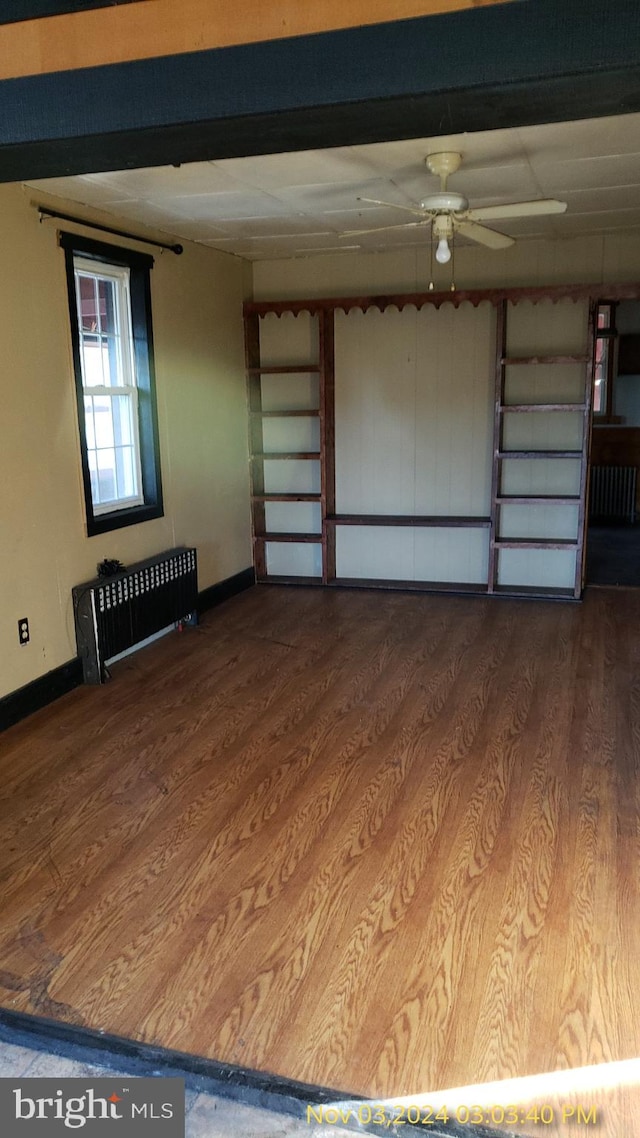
(443, 252)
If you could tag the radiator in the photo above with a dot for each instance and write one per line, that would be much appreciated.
(613, 493)
(115, 613)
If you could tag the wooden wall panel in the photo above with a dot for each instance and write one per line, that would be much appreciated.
(161, 27)
(289, 340)
(559, 327)
(376, 369)
(453, 410)
(413, 436)
(541, 568)
(295, 560)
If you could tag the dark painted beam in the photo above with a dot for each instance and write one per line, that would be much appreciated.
(504, 65)
(12, 11)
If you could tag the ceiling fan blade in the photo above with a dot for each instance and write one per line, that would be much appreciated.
(484, 236)
(517, 209)
(383, 228)
(393, 205)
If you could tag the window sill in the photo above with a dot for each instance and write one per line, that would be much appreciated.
(118, 519)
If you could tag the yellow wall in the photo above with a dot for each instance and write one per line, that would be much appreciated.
(197, 319)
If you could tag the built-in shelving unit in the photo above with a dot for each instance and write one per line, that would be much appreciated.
(502, 454)
(539, 440)
(263, 536)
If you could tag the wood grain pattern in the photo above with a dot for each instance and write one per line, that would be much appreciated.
(387, 844)
(144, 30)
(401, 300)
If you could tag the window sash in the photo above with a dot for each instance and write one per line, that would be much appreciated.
(114, 463)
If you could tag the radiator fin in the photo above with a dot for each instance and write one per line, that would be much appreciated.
(612, 494)
(115, 614)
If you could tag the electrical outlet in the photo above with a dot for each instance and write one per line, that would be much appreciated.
(23, 630)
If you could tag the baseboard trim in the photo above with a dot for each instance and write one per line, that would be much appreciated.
(46, 689)
(208, 1076)
(254, 1088)
(230, 587)
(18, 704)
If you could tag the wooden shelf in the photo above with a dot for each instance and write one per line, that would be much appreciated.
(284, 369)
(278, 456)
(286, 497)
(535, 543)
(314, 414)
(426, 520)
(283, 579)
(295, 537)
(539, 454)
(513, 361)
(408, 586)
(534, 592)
(526, 408)
(536, 499)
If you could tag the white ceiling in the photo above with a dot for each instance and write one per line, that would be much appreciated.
(297, 204)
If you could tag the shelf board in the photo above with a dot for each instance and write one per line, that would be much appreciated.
(278, 456)
(287, 497)
(527, 408)
(539, 454)
(566, 359)
(408, 586)
(534, 592)
(539, 499)
(294, 537)
(284, 369)
(535, 543)
(283, 579)
(313, 414)
(435, 520)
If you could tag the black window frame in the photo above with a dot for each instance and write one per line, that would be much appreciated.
(139, 265)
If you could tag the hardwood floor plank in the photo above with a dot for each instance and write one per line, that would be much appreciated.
(388, 844)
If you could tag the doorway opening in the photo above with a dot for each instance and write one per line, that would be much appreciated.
(613, 532)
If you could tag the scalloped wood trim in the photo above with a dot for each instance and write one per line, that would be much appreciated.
(418, 300)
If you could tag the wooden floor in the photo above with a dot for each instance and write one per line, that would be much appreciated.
(383, 843)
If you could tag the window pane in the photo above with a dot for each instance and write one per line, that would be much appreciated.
(604, 315)
(93, 471)
(103, 418)
(122, 420)
(107, 306)
(89, 425)
(600, 377)
(91, 352)
(88, 304)
(107, 488)
(125, 471)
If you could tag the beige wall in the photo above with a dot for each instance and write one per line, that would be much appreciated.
(44, 550)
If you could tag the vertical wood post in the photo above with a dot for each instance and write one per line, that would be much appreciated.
(256, 447)
(583, 505)
(326, 333)
(499, 355)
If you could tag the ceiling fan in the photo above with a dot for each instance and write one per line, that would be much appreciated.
(449, 212)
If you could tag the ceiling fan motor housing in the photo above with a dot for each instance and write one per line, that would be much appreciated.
(454, 203)
(443, 226)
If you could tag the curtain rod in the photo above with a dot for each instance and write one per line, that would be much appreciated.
(44, 212)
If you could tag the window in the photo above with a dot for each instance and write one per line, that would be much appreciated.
(109, 300)
(603, 362)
